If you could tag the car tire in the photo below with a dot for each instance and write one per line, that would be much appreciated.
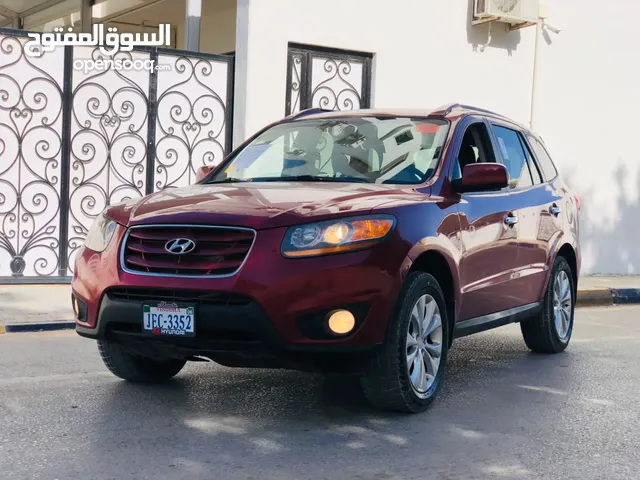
(135, 368)
(391, 381)
(550, 332)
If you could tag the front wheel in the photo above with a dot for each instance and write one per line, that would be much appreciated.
(407, 373)
(551, 331)
(136, 368)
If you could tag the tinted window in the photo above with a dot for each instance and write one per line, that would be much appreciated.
(544, 160)
(533, 167)
(513, 157)
(475, 147)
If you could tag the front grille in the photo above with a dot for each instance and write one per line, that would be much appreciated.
(219, 251)
(196, 297)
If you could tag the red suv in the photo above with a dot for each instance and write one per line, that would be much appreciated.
(360, 242)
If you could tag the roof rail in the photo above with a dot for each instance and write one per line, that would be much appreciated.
(308, 111)
(447, 109)
(469, 107)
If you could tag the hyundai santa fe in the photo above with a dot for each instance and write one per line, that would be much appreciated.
(361, 242)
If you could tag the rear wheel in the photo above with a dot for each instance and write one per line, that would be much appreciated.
(138, 369)
(407, 373)
(551, 331)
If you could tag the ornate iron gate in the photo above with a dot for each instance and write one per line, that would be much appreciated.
(72, 143)
(327, 78)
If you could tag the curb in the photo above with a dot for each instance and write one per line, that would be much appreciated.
(625, 296)
(608, 296)
(594, 298)
(36, 327)
(586, 298)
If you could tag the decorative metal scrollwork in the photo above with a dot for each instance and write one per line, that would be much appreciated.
(30, 162)
(72, 142)
(191, 120)
(296, 82)
(332, 80)
(108, 140)
(334, 83)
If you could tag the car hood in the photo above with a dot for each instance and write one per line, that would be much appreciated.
(255, 205)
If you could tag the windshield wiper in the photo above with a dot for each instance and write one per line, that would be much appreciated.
(311, 178)
(228, 180)
(292, 178)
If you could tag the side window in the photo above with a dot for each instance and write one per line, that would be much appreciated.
(543, 157)
(513, 157)
(475, 148)
(533, 166)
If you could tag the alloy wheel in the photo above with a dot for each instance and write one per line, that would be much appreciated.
(424, 344)
(562, 303)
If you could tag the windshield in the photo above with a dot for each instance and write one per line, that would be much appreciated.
(397, 150)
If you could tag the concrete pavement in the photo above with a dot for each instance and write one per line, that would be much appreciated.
(503, 413)
(35, 306)
(48, 307)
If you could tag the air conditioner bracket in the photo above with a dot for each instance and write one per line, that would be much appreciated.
(510, 26)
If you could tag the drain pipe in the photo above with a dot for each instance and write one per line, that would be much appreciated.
(535, 72)
(540, 27)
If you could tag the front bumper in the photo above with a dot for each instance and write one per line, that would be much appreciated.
(279, 296)
(233, 330)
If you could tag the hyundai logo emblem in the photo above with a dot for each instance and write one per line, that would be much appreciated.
(180, 246)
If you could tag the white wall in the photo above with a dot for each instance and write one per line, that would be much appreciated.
(586, 102)
(426, 54)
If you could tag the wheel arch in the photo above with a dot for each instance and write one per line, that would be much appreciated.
(436, 263)
(569, 254)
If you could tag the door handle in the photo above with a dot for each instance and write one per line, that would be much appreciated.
(554, 209)
(511, 219)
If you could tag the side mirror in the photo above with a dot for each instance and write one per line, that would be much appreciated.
(483, 176)
(203, 171)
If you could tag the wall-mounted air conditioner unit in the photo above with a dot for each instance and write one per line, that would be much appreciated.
(517, 13)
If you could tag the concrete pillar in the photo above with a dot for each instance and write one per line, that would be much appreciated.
(241, 80)
(86, 15)
(192, 25)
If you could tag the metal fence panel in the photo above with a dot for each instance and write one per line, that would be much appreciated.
(193, 121)
(108, 141)
(31, 139)
(73, 142)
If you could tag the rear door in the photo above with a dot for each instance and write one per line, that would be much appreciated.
(489, 244)
(538, 207)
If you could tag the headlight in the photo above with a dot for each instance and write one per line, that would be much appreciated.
(336, 236)
(100, 233)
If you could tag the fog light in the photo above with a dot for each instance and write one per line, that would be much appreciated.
(341, 321)
(79, 308)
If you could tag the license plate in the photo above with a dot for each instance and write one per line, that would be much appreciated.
(170, 319)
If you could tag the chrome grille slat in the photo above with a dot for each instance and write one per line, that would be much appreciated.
(219, 252)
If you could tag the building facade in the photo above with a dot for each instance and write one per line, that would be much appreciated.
(574, 78)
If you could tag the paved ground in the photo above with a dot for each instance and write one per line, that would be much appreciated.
(503, 413)
(52, 303)
(35, 303)
(596, 282)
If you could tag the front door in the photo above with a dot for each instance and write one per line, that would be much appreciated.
(489, 236)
